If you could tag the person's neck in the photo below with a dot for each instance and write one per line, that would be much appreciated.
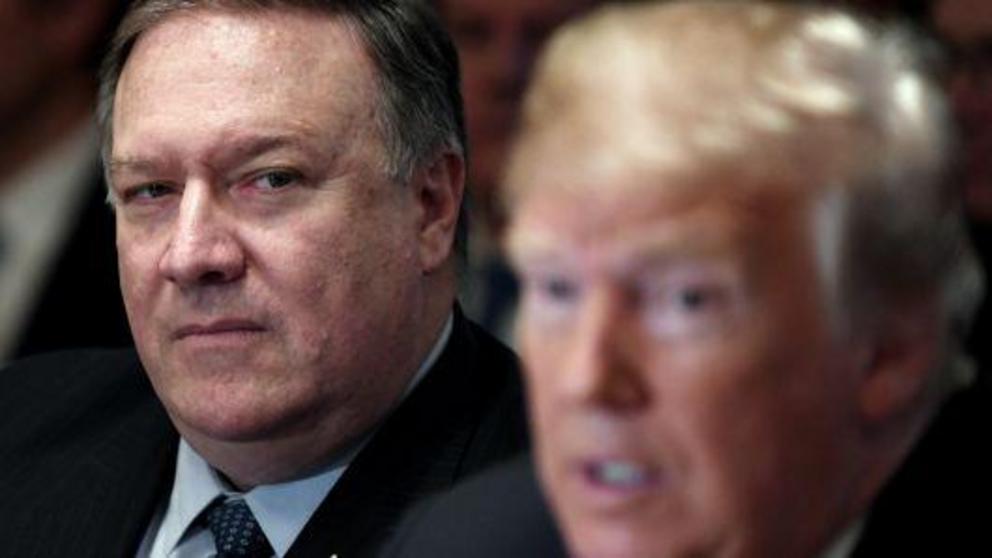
(54, 117)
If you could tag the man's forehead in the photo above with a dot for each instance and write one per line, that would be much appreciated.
(638, 159)
(287, 34)
(637, 221)
(263, 68)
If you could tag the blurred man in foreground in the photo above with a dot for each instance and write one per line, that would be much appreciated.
(287, 197)
(746, 287)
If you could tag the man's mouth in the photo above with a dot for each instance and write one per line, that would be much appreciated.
(620, 474)
(216, 328)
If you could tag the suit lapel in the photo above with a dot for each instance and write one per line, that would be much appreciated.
(129, 477)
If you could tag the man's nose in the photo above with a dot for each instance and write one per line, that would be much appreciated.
(605, 369)
(203, 248)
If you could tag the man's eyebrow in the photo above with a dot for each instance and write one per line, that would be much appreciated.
(240, 148)
(131, 164)
(248, 147)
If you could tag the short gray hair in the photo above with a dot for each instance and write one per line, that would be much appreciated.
(794, 94)
(420, 108)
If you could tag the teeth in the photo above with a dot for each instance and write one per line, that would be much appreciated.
(621, 474)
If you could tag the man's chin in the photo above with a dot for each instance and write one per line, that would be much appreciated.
(238, 415)
(592, 541)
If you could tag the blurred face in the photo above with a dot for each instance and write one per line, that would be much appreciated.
(967, 25)
(269, 268)
(688, 394)
(497, 43)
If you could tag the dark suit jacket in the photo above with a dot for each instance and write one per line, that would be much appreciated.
(498, 514)
(80, 302)
(925, 510)
(87, 452)
(928, 508)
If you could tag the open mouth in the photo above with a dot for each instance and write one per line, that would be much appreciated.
(618, 474)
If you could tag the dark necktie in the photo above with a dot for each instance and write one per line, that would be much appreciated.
(235, 531)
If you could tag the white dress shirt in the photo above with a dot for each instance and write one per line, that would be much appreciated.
(282, 510)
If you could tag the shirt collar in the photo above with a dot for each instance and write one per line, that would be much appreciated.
(282, 510)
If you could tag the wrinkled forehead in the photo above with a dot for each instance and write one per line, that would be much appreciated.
(289, 43)
(244, 69)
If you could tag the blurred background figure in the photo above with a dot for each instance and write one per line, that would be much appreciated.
(966, 28)
(58, 278)
(497, 44)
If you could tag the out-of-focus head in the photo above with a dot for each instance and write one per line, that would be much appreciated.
(744, 269)
(498, 43)
(967, 27)
(287, 179)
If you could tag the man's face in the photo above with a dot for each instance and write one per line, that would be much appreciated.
(269, 268)
(967, 26)
(497, 43)
(688, 393)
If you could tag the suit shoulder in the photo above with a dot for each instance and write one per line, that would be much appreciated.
(60, 397)
(78, 369)
(497, 354)
(926, 507)
(499, 512)
(498, 402)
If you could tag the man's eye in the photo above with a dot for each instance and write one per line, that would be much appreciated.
(694, 299)
(550, 299)
(150, 191)
(557, 289)
(688, 308)
(276, 179)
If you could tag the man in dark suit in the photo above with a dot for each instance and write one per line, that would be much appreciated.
(746, 288)
(287, 179)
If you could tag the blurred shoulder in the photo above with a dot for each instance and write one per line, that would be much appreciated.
(500, 512)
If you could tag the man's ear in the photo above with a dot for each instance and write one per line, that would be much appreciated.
(439, 188)
(899, 366)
